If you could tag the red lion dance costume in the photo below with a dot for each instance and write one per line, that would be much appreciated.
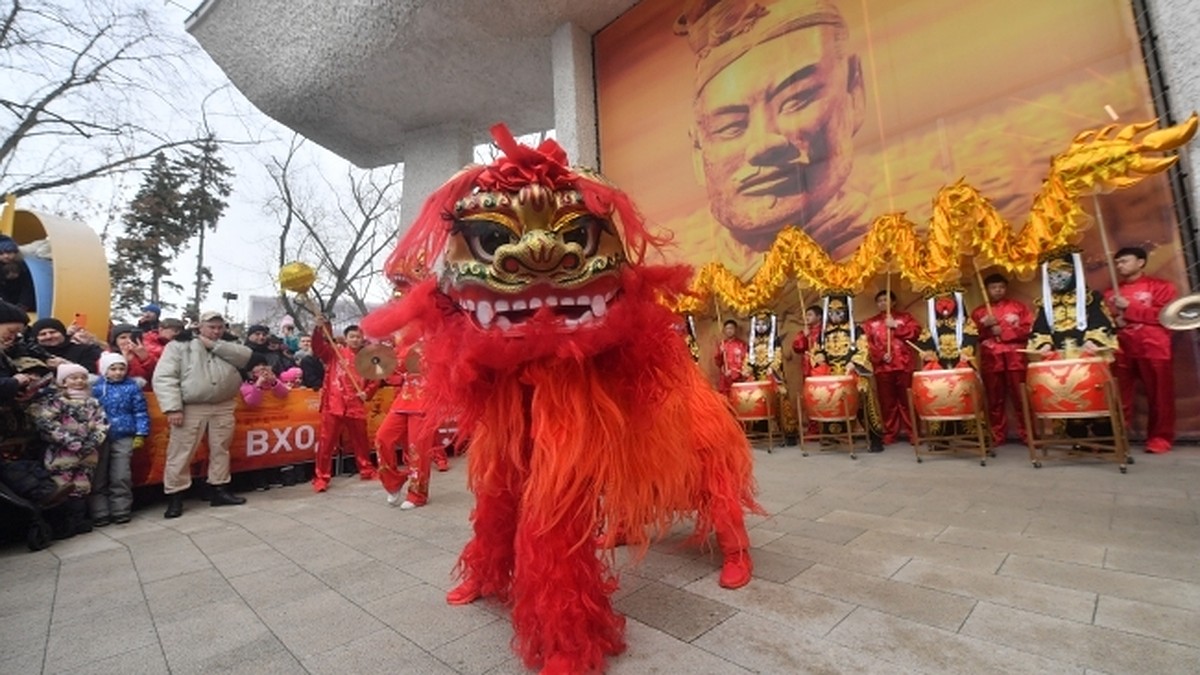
(545, 335)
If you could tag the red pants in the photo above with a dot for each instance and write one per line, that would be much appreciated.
(1158, 381)
(332, 427)
(1000, 387)
(892, 388)
(398, 430)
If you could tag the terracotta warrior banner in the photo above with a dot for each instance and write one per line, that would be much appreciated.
(727, 120)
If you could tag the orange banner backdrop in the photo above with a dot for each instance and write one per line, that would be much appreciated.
(279, 432)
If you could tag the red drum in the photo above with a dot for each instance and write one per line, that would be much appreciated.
(830, 398)
(752, 400)
(943, 395)
(1068, 388)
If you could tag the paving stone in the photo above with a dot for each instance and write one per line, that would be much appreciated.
(923, 605)
(1084, 646)
(965, 557)
(1127, 585)
(1027, 595)
(317, 622)
(1036, 547)
(673, 611)
(1143, 618)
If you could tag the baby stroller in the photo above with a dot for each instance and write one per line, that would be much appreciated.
(26, 492)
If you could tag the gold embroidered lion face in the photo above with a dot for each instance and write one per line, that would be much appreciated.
(512, 254)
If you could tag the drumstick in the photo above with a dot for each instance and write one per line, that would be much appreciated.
(987, 302)
(1108, 258)
(888, 324)
(307, 300)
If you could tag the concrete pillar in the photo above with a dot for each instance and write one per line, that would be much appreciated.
(1176, 23)
(574, 94)
(431, 157)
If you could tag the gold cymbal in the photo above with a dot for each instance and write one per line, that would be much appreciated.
(375, 362)
(1182, 314)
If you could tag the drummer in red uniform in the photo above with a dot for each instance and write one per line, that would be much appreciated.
(808, 339)
(731, 357)
(1145, 354)
(888, 334)
(1003, 325)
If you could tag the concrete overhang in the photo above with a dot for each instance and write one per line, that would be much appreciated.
(364, 78)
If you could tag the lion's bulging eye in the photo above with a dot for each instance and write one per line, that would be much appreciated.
(583, 232)
(485, 237)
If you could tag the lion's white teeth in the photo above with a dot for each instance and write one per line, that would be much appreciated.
(484, 313)
(518, 305)
(535, 303)
(503, 323)
(599, 308)
(552, 301)
(501, 306)
(583, 301)
(565, 302)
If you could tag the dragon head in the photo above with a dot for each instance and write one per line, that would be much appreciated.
(1099, 160)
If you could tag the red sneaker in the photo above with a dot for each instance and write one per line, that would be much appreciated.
(369, 474)
(464, 593)
(443, 465)
(736, 571)
(1158, 446)
(320, 484)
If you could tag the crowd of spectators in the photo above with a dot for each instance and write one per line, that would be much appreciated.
(73, 409)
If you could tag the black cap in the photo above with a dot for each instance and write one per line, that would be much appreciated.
(10, 313)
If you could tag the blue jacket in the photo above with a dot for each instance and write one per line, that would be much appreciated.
(125, 406)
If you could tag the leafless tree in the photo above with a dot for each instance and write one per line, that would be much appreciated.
(91, 89)
(342, 229)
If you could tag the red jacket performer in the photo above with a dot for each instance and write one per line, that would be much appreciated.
(1145, 354)
(343, 397)
(1004, 325)
(407, 427)
(893, 365)
(731, 357)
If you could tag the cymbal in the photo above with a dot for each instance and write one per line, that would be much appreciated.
(375, 362)
(1182, 314)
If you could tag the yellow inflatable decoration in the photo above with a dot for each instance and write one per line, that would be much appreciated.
(964, 223)
(72, 285)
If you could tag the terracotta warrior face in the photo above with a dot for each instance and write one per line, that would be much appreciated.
(512, 254)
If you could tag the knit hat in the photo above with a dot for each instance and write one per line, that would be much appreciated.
(68, 369)
(291, 375)
(287, 320)
(153, 309)
(121, 329)
(49, 322)
(7, 245)
(10, 313)
(257, 328)
(107, 359)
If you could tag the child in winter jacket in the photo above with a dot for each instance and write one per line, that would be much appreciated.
(129, 425)
(74, 426)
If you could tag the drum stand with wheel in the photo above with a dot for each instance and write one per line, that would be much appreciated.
(1060, 393)
(831, 402)
(755, 402)
(947, 409)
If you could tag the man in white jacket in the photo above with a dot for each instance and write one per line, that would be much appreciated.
(197, 383)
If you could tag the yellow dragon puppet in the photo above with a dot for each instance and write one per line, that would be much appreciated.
(547, 337)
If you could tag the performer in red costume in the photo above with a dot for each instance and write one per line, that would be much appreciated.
(544, 332)
(1145, 354)
(731, 357)
(343, 397)
(1004, 325)
(808, 339)
(888, 335)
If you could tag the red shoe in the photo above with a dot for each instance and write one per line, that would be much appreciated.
(320, 484)
(736, 571)
(1158, 446)
(369, 474)
(464, 593)
(443, 465)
